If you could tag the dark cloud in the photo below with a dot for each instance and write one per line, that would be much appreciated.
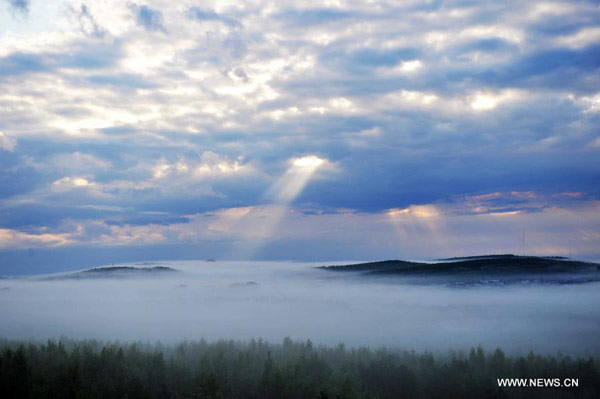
(16, 181)
(487, 45)
(82, 55)
(86, 55)
(19, 63)
(556, 25)
(557, 68)
(556, 65)
(31, 217)
(163, 220)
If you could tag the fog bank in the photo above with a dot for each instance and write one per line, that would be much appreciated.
(219, 300)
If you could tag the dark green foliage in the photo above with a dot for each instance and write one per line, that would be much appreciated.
(256, 369)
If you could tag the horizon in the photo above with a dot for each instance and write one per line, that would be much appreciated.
(144, 130)
(50, 268)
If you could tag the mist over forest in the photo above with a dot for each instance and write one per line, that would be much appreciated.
(274, 300)
(289, 369)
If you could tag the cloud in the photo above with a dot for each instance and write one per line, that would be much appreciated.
(412, 105)
(80, 55)
(415, 231)
(209, 165)
(7, 143)
(147, 219)
(12, 239)
(78, 162)
(18, 63)
(419, 211)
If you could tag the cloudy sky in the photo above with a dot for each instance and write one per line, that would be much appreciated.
(297, 130)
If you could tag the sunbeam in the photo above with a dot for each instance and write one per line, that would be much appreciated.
(291, 184)
(279, 196)
(418, 221)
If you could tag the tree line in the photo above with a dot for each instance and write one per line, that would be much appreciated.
(90, 369)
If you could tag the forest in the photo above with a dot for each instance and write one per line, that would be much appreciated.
(91, 369)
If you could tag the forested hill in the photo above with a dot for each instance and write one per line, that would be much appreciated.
(503, 264)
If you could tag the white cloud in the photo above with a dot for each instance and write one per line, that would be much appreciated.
(13, 239)
(591, 103)
(541, 9)
(419, 211)
(76, 162)
(209, 165)
(582, 38)
(410, 98)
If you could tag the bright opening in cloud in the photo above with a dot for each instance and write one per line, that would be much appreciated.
(310, 161)
(71, 182)
(410, 66)
(286, 189)
(420, 211)
(484, 102)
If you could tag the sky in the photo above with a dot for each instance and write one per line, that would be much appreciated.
(297, 130)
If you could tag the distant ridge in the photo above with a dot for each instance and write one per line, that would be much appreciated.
(506, 264)
(112, 272)
(113, 269)
(505, 256)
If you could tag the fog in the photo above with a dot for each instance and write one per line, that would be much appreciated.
(212, 300)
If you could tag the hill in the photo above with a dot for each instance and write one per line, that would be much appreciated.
(113, 272)
(506, 268)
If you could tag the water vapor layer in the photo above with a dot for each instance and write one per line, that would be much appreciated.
(244, 300)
